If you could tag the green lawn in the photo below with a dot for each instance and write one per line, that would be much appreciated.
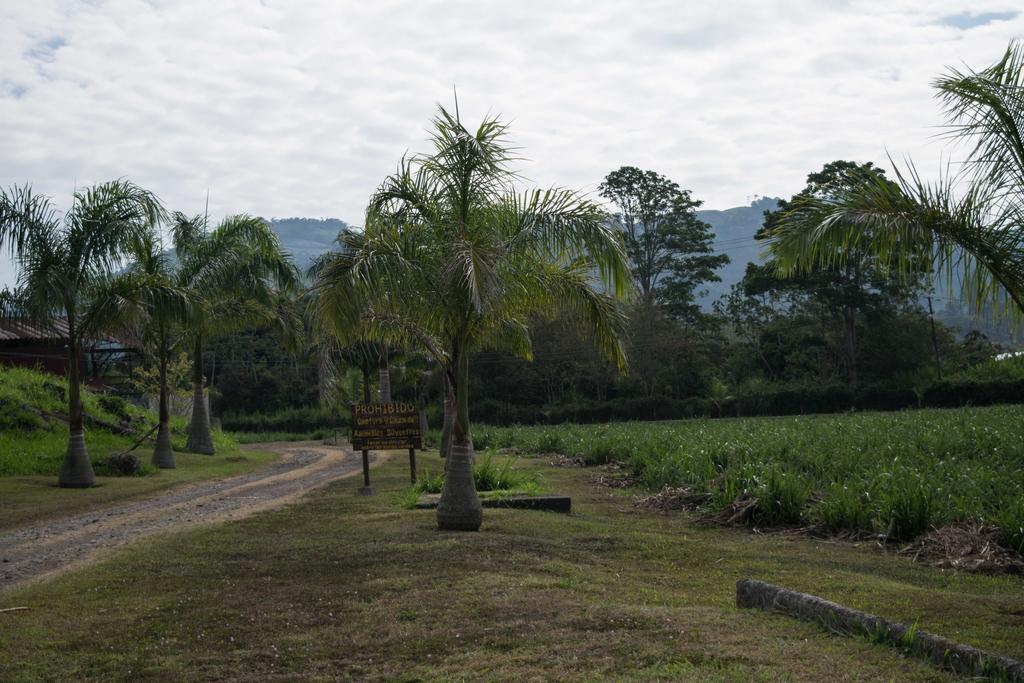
(341, 586)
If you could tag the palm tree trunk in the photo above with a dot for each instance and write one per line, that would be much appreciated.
(76, 471)
(384, 378)
(459, 508)
(326, 376)
(163, 455)
(449, 417)
(199, 438)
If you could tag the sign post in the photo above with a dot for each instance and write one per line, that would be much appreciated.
(383, 427)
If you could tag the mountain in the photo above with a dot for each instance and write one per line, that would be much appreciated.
(307, 238)
(734, 235)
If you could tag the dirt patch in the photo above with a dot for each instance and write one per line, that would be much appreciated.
(560, 460)
(968, 546)
(615, 476)
(49, 547)
(671, 499)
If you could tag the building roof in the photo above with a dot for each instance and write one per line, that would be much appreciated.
(19, 329)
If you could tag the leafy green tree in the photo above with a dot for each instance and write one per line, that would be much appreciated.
(236, 275)
(969, 223)
(453, 260)
(65, 271)
(848, 288)
(669, 248)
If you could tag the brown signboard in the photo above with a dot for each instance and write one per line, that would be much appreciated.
(385, 426)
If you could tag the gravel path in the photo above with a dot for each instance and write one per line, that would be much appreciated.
(56, 545)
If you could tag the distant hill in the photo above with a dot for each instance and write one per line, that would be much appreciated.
(307, 238)
(734, 235)
(734, 229)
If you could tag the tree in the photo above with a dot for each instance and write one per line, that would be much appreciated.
(669, 248)
(164, 307)
(233, 275)
(849, 288)
(65, 265)
(970, 224)
(453, 260)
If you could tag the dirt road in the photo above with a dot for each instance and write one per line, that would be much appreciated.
(56, 545)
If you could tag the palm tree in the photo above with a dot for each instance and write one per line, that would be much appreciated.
(453, 260)
(65, 266)
(233, 274)
(969, 224)
(164, 310)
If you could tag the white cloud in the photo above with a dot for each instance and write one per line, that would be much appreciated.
(300, 108)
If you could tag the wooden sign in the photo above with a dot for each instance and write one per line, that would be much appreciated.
(385, 426)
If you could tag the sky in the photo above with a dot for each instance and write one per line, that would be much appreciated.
(287, 108)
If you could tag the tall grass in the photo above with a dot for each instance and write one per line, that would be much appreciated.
(893, 474)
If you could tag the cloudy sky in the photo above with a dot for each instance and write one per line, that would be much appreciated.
(300, 107)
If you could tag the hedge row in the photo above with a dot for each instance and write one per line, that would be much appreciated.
(779, 400)
(295, 420)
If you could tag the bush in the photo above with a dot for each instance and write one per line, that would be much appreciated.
(124, 464)
(907, 506)
(294, 420)
(781, 498)
(1011, 526)
(844, 509)
(487, 475)
(115, 405)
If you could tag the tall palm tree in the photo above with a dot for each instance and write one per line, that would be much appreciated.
(233, 274)
(453, 259)
(970, 224)
(65, 266)
(165, 307)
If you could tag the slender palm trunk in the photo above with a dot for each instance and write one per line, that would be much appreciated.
(76, 471)
(459, 508)
(199, 438)
(384, 378)
(449, 417)
(325, 374)
(163, 455)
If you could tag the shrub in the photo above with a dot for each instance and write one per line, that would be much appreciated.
(906, 506)
(844, 509)
(1011, 525)
(293, 420)
(487, 475)
(781, 498)
(115, 405)
(429, 483)
(125, 464)
(491, 477)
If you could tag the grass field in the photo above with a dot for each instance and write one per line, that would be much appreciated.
(345, 587)
(895, 474)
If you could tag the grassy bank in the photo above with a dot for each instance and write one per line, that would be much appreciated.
(889, 473)
(34, 439)
(345, 587)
